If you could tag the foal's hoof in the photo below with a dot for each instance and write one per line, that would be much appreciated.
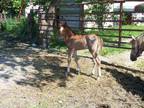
(92, 74)
(98, 78)
(66, 74)
(78, 73)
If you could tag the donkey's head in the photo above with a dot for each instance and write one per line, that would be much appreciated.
(135, 51)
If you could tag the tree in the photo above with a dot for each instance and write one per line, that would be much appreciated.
(98, 8)
(21, 8)
(11, 7)
(42, 2)
(49, 8)
(4, 6)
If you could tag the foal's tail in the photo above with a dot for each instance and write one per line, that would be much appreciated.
(101, 42)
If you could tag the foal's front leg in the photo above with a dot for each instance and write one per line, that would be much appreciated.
(70, 54)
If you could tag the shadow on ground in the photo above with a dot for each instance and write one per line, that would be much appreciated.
(123, 76)
(45, 68)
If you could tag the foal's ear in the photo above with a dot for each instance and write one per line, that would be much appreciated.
(64, 23)
(130, 41)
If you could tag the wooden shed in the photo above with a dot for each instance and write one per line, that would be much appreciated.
(71, 12)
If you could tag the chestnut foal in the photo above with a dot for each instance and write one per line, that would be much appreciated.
(76, 42)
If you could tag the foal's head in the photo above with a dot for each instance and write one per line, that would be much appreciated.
(62, 26)
(135, 51)
(65, 30)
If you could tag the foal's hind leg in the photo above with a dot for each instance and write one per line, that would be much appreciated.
(98, 66)
(70, 54)
(98, 63)
(93, 70)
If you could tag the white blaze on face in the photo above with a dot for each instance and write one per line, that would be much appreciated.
(61, 29)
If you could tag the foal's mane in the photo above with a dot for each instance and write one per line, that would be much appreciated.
(66, 26)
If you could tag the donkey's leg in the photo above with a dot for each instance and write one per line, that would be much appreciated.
(76, 60)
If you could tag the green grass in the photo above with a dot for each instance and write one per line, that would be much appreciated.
(106, 51)
(132, 33)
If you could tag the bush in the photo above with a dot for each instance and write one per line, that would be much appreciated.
(9, 25)
(19, 28)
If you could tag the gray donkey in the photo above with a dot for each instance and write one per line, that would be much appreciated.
(137, 47)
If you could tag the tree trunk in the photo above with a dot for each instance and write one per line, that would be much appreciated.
(50, 16)
(23, 2)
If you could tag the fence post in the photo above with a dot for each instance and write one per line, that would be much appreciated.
(120, 23)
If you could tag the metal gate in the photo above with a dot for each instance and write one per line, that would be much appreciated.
(115, 32)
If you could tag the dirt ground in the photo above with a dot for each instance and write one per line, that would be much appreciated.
(34, 78)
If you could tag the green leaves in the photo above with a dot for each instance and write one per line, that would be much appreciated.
(16, 5)
(10, 6)
(5, 4)
(42, 2)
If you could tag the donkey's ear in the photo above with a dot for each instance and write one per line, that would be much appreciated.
(130, 41)
(133, 38)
